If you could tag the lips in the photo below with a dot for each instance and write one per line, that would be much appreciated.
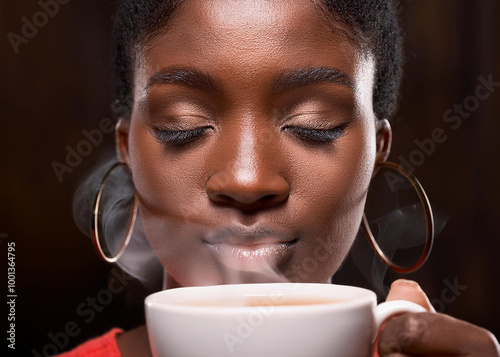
(257, 249)
(248, 236)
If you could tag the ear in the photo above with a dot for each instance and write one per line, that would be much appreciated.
(122, 130)
(383, 139)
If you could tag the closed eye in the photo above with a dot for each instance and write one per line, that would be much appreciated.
(179, 137)
(317, 136)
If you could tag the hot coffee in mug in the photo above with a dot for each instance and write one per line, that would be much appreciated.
(267, 320)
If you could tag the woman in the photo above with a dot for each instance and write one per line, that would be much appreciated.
(252, 130)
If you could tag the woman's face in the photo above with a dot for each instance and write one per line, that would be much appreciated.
(251, 142)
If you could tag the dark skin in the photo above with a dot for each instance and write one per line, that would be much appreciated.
(259, 114)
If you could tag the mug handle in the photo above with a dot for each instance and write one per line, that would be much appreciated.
(396, 307)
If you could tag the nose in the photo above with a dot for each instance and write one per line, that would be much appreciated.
(248, 177)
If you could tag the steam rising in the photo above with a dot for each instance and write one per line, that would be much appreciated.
(236, 270)
(397, 220)
(138, 260)
(397, 224)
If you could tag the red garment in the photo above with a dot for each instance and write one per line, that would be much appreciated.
(103, 346)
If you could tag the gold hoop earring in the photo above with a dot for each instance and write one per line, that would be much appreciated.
(96, 237)
(429, 241)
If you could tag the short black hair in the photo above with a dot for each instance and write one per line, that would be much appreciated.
(373, 24)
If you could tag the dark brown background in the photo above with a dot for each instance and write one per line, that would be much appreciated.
(59, 84)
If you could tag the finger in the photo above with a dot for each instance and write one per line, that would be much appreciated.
(409, 290)
(435, 335)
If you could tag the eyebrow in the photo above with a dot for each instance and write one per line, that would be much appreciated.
(309, 76)
(286, 80)
(183, 76)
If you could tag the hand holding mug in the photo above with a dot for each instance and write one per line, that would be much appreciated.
(430, 333)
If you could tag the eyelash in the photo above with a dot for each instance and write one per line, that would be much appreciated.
(315, 136)
(179, 137)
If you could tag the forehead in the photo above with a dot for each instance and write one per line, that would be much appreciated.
(246, 36)
(265, 17)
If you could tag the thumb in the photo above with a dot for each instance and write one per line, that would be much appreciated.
(410, 291)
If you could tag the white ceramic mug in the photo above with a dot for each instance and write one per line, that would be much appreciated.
(267, 320)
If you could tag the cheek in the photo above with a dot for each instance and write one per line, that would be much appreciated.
(332, 196)
(165, 186)
(162, 179)
(167, 189)
(336, 183)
